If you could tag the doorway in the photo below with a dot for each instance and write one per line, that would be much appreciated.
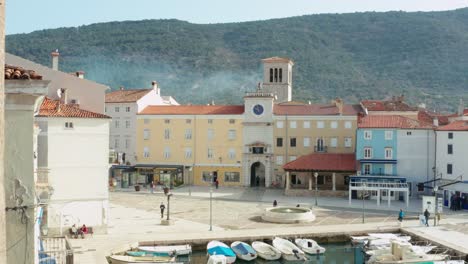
(257, 175)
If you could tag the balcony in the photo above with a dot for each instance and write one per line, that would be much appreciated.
(320, 149)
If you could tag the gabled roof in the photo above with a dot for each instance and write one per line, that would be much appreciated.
(193, 110)
(459, 125)
(126, 96)
(323, 162)
(395, 104)
(392, 121)
(428, 117)
(315, 109)
(278, 59)
(54, 108)
(15, 72)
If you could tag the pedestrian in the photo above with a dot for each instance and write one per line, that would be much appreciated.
(460, 202)
(275, 203)
(401, 214)
(162, 207)
(463, 201)
(217, 183)
(452, 202)
(257, 181)
(426, 216)
(152, 187)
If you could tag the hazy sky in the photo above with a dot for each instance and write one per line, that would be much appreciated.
(29, 15)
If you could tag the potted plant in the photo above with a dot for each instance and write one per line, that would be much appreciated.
(137, 188)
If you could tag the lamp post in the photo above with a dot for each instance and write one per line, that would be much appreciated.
(316, 188)
(436, 205)
(211, 208)
(190, 181)
(363, 191)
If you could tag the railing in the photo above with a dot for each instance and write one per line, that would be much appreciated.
(320, 148)
(55, 250)
(364, 185)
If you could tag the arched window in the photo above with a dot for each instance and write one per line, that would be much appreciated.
(280, 75)
(271, 74)
(276, 74)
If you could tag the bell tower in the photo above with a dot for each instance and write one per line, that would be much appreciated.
(277, 78)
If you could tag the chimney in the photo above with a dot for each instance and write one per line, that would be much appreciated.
(461, 108)
(339, 104)
(121, 88)
(212, 102)
(155, 86)
(55, 59)
(80, 74)
(435, 121)
(63, 96)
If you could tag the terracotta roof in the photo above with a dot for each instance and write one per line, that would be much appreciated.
(278, 59)
(323, 162)
(392, 121)
(395, 104)
(53, 108)
(315, 109)
(14, 72)
(126, 96)
(193, 110)
(459, 125)
(428, 117)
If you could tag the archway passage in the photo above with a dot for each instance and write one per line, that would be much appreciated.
(257, 175)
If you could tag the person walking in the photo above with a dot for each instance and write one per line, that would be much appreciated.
(401, 214)
(217, 183)
(257, 181)
(162, 207)
(426, 216)
(152, 187)
(275, 203)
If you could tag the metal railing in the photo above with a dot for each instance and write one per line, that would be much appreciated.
(364, 185)
(55, 250)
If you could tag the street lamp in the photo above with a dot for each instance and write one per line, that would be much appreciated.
(316, 188)
(436, 205)
(363, 191)
(211, 208)
(168, 194)
(190, 181)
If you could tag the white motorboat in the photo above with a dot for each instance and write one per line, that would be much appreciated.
(219, 248)
(120, 259)
(288, 250)
(243, 250)
(266, 251)
(217, 259)
(416, 249)
(309, 246)
(401, 252)
(378, 239)
(176, 250)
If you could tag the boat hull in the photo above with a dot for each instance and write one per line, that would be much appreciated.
(179, 250)
(117, 259)
(288, 250)
(223, 249)
(266, 251)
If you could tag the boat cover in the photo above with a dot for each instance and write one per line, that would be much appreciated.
(243, 249)
(221, 251)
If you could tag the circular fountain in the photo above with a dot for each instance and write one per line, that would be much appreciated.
(288, 215)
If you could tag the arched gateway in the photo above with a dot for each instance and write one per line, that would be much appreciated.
(257, 175)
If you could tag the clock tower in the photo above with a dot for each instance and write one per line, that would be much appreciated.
(277, 78)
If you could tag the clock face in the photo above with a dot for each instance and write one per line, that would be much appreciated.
(258, 109)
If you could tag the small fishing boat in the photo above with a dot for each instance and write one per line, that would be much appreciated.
(309, 246)
(288, 250)
(266, 251)
(217, 259)
(243, 250)
(219, 248)
(120, 259)
(177, 250)
(401, 252)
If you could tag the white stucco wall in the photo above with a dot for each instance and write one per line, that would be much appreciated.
(459, 157)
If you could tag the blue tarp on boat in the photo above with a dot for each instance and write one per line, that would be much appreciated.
(244, 249)
(221, 251)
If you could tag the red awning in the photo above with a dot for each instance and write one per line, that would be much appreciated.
(323, 162)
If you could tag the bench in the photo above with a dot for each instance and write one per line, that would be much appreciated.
(72, 235)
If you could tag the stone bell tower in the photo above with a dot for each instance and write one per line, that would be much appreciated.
(277, 78)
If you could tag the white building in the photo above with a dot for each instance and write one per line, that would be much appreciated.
(123, 106)
(73, 147)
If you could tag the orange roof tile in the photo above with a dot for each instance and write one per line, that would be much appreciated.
(428, 117)
(314, 109)
(392, 121)
(53, 108)
(395, 104)
(126, 96)
(323, 162)
(14, 72)
(193, 110)
(460, 125)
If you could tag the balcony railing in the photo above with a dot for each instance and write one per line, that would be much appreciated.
(55, 250)
(320, 148)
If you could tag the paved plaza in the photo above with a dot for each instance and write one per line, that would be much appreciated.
(135, 216)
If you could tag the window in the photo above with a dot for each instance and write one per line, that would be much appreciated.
(292, 142)
(280, 75)
(117, 109)
(146, 134)
(291, 158)
(450, 135)
(210, 121)
(292, 124)
(105, 109)
(279, 142)
(116, 143)
(388, 153)
(188, 133)
(347, 124)
(167, 152)
(334, 124)
(232, 121)
(127, 123)
(333, 142)
(388, 135)
(271, 75)
(210, 134)
(388, 169)
(276, 74)
(232, 134)
(306, 142)
(449, 149)
(127, 143)
(279, 124)
(188, 153)
(210, 153)
(207, 176)
(294, 179)
(146, 152)
(279, 160)
(117, 123)
(347, 142)
(231, 176)
(167, 121)
(449, 168)
(367, 134)
(367, 169)
(319, 147)
(146, 121)
(258, 150)
(188, 121)
(167, 133)
(320, 124)
(306, 124)
(408, 133)
(420, 187)
(69, 125)
(232, 153)
(127, 109)
(367, 153)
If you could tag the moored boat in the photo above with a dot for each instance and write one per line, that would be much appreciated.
(243, 250)
(217, 259)
(176, 250)
(266, 251)
(309, 246)
(219, 248)
(120, 259)
(401, 252)
(288, 250)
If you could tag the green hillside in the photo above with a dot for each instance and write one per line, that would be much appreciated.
(423, 55)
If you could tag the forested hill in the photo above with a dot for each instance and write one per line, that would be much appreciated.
(423, 55)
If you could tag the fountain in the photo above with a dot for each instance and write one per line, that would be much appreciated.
(288, 215)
